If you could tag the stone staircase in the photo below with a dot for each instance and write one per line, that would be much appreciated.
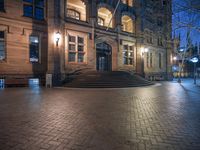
(114, 79)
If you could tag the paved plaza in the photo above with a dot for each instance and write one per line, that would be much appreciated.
(163, 116)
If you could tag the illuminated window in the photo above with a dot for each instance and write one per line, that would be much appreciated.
(127, 2)
(34, 9)
(105, 17)
(76, 49)
(128, 54)
(73, 14)
(2, 46)
(127, 24)
(100, 21)
(34, 49)
(76, 9)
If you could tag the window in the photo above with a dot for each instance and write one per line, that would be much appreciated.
(34, 49)
(160, 41)
(127, 24)
(128, 55)
(147, 60)
(34, 9)
(127, 2)
(105, 17)
(160, 60)
(2, 5)
(73, 14)
(76, 49)
(164, 2)
(76, 9)
(149, 37)
(2, 46)
(100, 21)
(151, 60)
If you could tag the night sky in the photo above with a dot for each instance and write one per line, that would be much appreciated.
(182, 18)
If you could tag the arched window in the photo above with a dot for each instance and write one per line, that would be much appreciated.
(105, 17)
(76, 9)
(127, 24)
(73, 14)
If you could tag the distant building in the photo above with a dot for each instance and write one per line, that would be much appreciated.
(93, 36)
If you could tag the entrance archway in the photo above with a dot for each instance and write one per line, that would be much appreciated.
(103, 57)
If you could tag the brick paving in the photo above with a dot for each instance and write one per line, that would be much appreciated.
(165, 117)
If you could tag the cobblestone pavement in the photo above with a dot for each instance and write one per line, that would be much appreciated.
(165, 116)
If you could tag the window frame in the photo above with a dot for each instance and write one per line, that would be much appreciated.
(5, 49)
(34, 7)
(76, 51)
(128, 57)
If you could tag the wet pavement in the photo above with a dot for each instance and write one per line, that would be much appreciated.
(163, 116)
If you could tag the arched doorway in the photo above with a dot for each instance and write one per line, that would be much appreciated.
(104, 57)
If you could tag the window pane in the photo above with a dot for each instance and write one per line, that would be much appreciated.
(72, 57)
(2, 45)
(72, 47)
(125, 47)
(34, 49)
(1, 5)
(101, 21)
(2, 35)
(28, 11)
(80, 48)
(39, 3)
(80, 57)
(72, 39)
(80, 40)
(39, 13)
(125, 59)
(130, 61)
(2, 50)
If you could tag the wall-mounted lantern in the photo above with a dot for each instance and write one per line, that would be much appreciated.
(57, 37)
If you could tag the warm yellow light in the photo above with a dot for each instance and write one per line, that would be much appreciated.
(57, 37)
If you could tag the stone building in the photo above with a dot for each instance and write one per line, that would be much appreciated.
(65, 36)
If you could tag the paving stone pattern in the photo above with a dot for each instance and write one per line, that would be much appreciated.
(165, 117)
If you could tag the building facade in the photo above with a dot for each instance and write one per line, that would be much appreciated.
(61, 37)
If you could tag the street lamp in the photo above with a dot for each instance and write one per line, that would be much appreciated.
(57, 37)
(194, 60)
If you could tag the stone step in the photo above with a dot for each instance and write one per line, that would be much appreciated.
(113, 79)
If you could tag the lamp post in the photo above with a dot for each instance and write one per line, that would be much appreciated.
(143, 51)
(194, 60)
